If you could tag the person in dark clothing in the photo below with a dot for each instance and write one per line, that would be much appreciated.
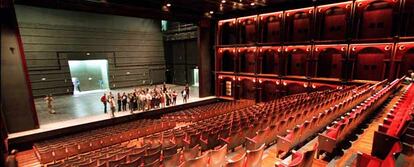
(124, 101)
(187, 90)
(103, 100)
(119, 102)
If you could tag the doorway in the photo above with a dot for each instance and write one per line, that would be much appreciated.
(89, 75)
(195, 77)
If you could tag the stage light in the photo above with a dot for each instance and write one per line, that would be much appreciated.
(252, 4)
(211, 12)
(168, 5)
(223, 1)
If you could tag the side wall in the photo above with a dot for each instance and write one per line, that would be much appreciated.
(132, 46)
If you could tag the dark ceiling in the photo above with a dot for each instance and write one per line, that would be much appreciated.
(180, 10)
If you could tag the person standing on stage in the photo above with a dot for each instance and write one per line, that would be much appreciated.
(124, 101)
(187, 89)
(184, 94)
(174, 97)
(103, 100)
(113, 106)
(119, 102)
(49, 101)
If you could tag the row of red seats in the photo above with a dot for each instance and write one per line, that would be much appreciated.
(400, 115)
(320, 119)
(152, 150)
(304, 158)
(387, 141)
(233, 128)
(77, 145)
(337, 132)
(207, 111)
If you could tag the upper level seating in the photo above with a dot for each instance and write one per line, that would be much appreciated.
(337, 132)
(388, 139)
(60, 148)
(207, 111)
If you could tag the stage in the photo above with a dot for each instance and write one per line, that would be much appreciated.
(77, 113)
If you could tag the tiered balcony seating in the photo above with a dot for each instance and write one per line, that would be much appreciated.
(349, 121)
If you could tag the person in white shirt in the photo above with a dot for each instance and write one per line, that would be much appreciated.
(112, 105)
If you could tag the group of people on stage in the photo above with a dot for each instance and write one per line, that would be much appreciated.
(143, 99)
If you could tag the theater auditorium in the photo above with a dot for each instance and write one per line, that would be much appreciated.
(207, 83)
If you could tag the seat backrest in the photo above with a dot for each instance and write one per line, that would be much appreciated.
(237, 163)
(254, 157)
(113, 163)
(149, 158)
(201, 161)
(156, 163)
(218, 157)
(90, 164)
(171, 160)
(169, 150)
(135, 163)
(134, 156)
(191, 153)
(154, 149)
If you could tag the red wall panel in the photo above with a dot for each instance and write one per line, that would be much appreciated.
(333, 21)
(227, 32)
(271, 27)
(270, 90)
(296, 59)
(226, 59)
(299, 24)
(374, 18)
(247, 59)
(247, 88)
(371, 61)
(270, 60)
(330, 60)
(404, 58)
(408, 19)
(247, 29)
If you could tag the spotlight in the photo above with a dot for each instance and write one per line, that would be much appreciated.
(211, 12)
(252, 4)
(168, 5)
(223, 1)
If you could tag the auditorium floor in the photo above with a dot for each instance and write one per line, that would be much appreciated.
(70, 107)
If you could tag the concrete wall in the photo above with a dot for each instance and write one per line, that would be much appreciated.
(132, 46)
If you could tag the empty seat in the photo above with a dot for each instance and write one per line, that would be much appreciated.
(254, 157)
(113, 163)
(240, 162)
(171, 160)
(218, 157)
(135, 163)
(191, 153)
(150, 158)
(201, 161)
